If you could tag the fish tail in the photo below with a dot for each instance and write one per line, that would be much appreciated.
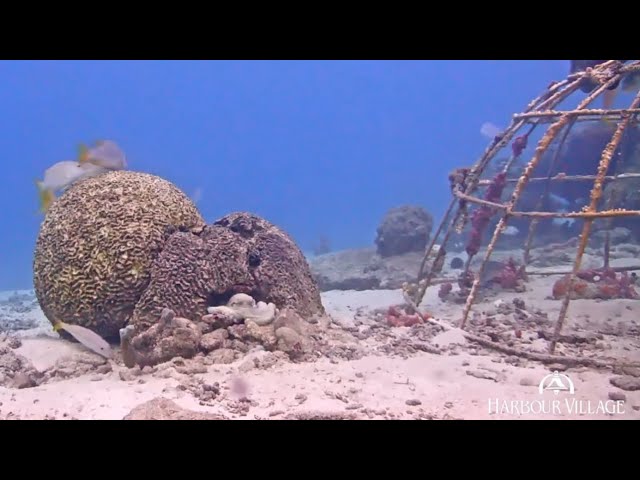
(45, 195)
(88, 338)
(58, 326)
(83, 154)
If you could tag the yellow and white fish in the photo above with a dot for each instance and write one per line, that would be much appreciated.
(87, 337)
(59, 176)
(105, 154)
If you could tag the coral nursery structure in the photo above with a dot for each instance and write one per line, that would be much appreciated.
(521, 191)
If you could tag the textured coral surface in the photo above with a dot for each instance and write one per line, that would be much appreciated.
(97, 243)
(240, 253)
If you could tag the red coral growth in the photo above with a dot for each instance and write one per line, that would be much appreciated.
(465, 280)
(510, 277)
(445, 289)
(591, 274)
(398, 317)
(481, 217)
(604, 284)
(624, 286)
(518, 145)
(561, 286)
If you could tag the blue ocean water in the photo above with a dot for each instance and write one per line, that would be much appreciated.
(317, 147)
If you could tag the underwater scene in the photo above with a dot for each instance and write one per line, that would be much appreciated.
(320, 240)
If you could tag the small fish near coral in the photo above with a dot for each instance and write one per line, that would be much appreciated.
(491, 131)
(104, 156)
(86, 337)
(601, 283)
(58, 177)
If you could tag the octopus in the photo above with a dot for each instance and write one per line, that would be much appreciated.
(243, 307)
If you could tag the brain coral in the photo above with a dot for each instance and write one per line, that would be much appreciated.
(240, 253)
(97, 244)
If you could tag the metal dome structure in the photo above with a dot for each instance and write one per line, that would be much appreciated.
(477, 201)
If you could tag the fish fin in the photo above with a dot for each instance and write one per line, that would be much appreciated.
(83, 154)
(45, 196)
(58, 326)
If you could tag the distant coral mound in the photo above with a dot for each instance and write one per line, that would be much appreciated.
(240, 253)
(97, 244)
(404, 229)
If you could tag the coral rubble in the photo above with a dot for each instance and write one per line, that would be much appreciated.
(603, 283)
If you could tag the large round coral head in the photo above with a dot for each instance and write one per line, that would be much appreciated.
(97, 243)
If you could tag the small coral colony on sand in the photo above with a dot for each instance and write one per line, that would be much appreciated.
(103, 156)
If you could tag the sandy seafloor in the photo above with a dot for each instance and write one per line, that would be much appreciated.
(385, 373)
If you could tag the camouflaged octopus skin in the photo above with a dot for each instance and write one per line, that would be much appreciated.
(240, 253)
(97, 244)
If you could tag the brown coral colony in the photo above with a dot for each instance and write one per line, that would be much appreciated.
(137, 262)
(97, 244)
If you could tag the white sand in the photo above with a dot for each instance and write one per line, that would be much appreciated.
(375, 386)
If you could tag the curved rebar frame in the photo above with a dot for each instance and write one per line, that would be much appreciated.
(466, 182)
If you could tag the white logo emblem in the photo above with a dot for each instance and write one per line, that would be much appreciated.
(556, 404)
(556, 382)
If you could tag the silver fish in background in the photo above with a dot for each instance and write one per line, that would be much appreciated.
(105, 154)
(60, 176)
(86, 337)
(511, 231)
(490, 131)
(558, 202)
